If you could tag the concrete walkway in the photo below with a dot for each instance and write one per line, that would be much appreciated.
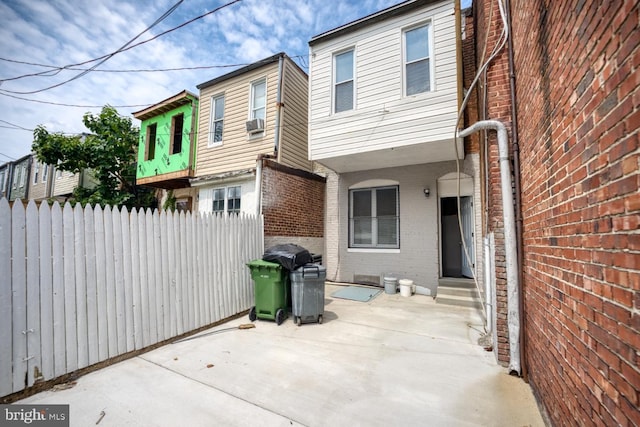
(391, 361)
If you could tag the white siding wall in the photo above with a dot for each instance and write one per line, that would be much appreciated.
(383, 117)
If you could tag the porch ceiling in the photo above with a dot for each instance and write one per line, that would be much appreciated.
(431, 152)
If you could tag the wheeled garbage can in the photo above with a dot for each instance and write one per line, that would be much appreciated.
(271, 291)
(307, 293)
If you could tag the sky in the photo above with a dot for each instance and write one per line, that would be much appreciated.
(41, 36)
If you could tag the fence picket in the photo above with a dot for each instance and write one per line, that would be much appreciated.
(136, 281)
(33, 294)
(6, 350)
(46, 292)
(91, 262)
(127, 259)
(101, 285)
(81, 287)
(118, 266)
(88, 284)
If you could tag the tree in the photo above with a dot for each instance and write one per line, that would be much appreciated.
(109, 152)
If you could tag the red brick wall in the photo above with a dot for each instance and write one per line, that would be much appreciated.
(494, 103)
(578, 117)
(292, 201)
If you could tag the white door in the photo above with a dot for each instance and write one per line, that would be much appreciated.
(466, 210)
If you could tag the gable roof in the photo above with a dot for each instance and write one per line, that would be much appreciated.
(168, 104)
(390, 12)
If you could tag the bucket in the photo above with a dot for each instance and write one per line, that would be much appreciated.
(390, 285)
(406, 286)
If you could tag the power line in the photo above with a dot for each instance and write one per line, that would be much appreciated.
(8, 157)
(13, 126)
(73, 105)
(104, 58)
(123, 49)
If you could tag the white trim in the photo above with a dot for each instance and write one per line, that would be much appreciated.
(372, 250)
(403, 32)
(353, 79)
(211, 144)
(374, 183)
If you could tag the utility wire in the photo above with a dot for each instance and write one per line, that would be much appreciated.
(104, 58)
(8, 157)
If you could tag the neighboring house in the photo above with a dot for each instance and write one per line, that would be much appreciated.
(18, 178)
(384, 92)
(252, 134)
(65, 182)
(41, 180)
(166, 151)
(567, 86)
(4, 179)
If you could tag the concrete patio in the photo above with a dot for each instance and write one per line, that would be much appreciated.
(391, 361)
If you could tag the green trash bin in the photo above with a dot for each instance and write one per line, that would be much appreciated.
(271, 291)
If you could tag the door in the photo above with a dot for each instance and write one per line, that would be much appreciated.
(451, 240)
(466, 211)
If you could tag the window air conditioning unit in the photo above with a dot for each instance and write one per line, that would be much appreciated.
(255, 125)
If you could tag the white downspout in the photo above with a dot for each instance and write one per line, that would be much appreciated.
(259, 185)
(511, 258)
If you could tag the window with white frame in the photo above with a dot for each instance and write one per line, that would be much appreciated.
(417, 60)
(45, 172)
(23, 175)
(216, 123)
(374, 220)
(227, 199)
(343, 89)
(36, 170)
(258, 99)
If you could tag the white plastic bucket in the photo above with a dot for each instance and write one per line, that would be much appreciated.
(406, 287)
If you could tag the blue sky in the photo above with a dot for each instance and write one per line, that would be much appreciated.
(63, 32)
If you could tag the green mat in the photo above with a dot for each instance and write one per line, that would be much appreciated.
(357, 293)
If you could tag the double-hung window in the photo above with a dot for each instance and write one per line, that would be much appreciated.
(45, 172)
(216, 124)
(227, 200)
(343, 84)
(258, 99)
(417, 60)
(374, 221)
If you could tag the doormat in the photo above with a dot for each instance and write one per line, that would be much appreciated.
(357, 293)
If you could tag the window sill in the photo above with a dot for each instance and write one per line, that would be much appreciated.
(374, 250)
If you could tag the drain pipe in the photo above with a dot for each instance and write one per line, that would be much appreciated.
(279, 105)
(511, 257)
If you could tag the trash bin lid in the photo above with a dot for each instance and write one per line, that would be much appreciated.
(260, 263)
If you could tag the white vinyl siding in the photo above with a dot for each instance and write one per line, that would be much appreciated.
(216, 123)
(398, 120)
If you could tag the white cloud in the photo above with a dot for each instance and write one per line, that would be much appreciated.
(61, 32)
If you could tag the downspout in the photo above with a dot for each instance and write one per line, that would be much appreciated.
(279, 105)
(458, 18)
(518, 188)
(511, 258)
(259, 185)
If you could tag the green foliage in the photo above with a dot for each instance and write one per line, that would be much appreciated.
(109, 151)
(170, 203)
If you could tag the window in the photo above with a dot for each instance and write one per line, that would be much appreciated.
(373, 218)
(45, 172)
(177, 123)
(417, 63)
(36, 169)
(216, 124)
(150, 151)
(343, 92)
(233, 200)
(258, 99)
(227, 200)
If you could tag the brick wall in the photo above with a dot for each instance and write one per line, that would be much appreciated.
(578, 105)
(292, 202)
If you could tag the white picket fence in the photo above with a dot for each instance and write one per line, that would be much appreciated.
(80, 286)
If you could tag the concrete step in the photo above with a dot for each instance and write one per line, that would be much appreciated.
(459, 292)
